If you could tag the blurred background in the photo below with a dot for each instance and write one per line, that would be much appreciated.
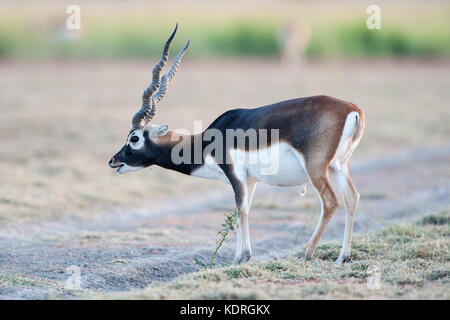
(67, 96)
(225, 29)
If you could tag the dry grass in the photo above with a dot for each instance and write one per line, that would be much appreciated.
(413, 262)
(62, 121)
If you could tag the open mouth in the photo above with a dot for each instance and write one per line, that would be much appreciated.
(116, 166)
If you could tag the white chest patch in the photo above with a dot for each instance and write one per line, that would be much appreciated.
(279, 165)
(210, 170)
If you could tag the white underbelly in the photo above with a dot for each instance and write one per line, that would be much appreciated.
(279, 165)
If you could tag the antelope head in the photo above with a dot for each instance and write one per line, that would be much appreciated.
(139, 150)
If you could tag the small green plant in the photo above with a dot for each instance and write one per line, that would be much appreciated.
(228, 226)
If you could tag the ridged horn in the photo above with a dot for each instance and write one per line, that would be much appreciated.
(156, 80)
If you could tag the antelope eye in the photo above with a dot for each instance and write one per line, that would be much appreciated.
(134, 139)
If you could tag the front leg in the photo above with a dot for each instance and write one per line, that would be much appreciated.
(243, 247)
(243, 250)
(239, 184)
(246, 253)
(238, 253)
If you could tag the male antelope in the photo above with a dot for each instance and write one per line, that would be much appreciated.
(316, 137)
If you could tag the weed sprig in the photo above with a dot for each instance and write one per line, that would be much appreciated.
(228, 226)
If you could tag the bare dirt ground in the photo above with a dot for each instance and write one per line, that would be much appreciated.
(60, 205)
(129, 249)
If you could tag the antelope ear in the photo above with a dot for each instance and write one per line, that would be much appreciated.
(160, 130)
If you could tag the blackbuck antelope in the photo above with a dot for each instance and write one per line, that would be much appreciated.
(311, 141)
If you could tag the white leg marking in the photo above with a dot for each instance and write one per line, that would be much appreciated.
(238, 253)
(244, 230)
(251, 187)
(350, 198)
(243, 246)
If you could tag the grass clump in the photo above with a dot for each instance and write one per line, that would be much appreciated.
(416, 268)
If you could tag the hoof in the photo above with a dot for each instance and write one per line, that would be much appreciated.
(305, 255)
(246, 255)
(341, 260)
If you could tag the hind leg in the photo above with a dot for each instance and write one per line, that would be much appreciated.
(350, 197)
(328, 203)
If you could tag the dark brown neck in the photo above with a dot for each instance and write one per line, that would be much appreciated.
(183, 155)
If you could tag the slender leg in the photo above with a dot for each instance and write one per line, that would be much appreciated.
(246, 249)
(239, 244)
(245, 233)
(251, 187)
(351, 197)
(240, 193)
(328, 204)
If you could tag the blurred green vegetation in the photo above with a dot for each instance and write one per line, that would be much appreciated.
(118, 37)
(354, 39)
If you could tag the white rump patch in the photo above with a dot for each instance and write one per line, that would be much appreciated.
(346, 144)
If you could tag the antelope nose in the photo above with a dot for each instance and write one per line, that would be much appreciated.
(111, 162)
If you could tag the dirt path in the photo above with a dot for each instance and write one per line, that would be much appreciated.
(129, 249)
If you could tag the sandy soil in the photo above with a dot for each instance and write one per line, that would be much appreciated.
(129, 249)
